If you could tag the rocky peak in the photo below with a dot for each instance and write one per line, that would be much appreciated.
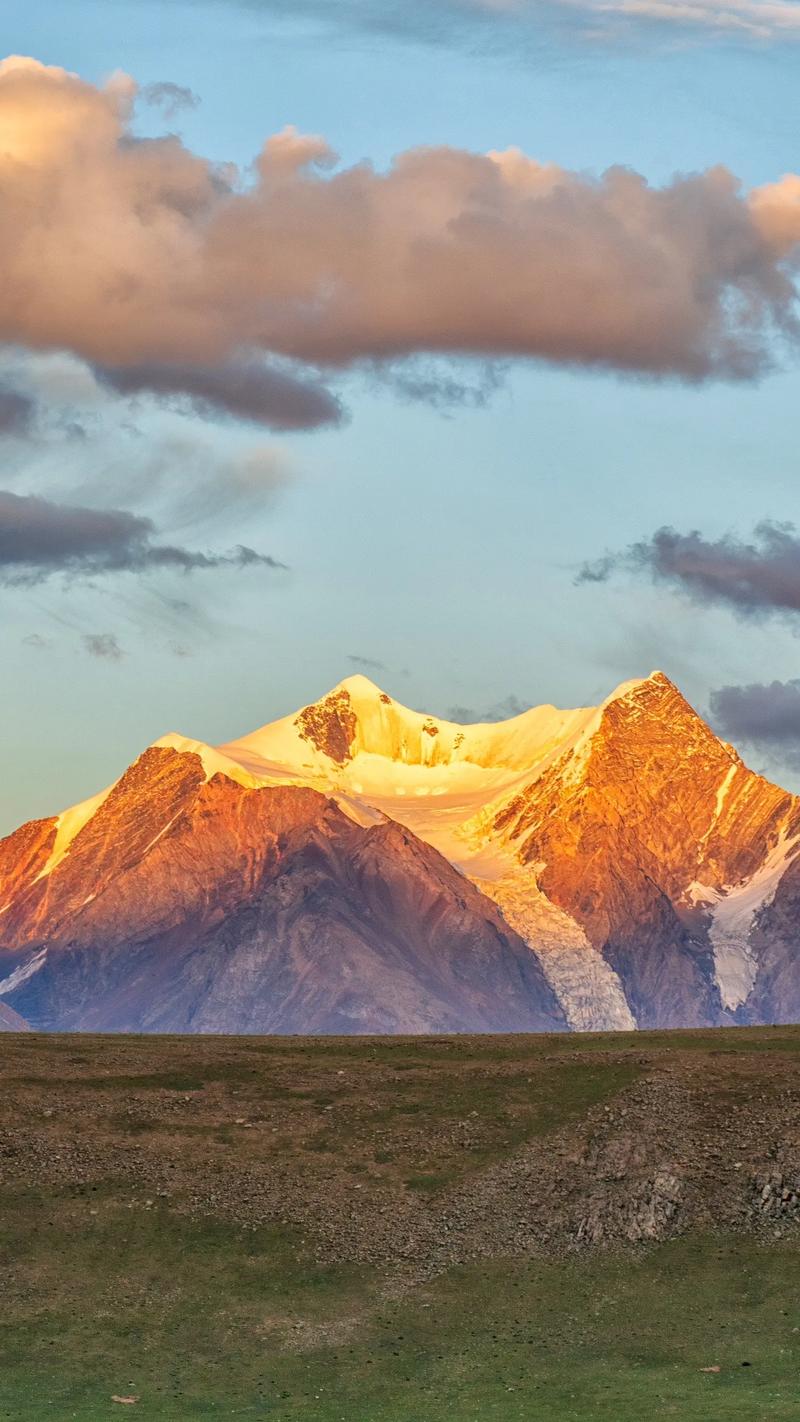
(330, 725)
(139, 807)
(652, 721)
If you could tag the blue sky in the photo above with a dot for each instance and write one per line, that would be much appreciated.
(439, 541)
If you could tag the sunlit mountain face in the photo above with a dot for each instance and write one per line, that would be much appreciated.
(360, 867)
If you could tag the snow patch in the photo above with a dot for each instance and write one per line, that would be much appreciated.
(449, 802)
(68, 826)
(23, 972)
(588, 990)
(734, 911)
(396, 749)
(358, 812)
(719, 805)
(722, 795)
(214, 762)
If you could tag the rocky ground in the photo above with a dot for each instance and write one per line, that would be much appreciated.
(401, 1230)
(422, 1152)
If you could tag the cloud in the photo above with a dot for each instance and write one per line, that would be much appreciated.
(37, 641)
(103, 645)
(170, 98)
(246, 390)
(192, 281)
(17, 412)
(214, 482)
(180, 472)
(756, 577)
(509, 22)
(763, 715)
(748, 19)
(501, 711)
(761, 711)
(441, 389)
(367, 663)
(39, 539)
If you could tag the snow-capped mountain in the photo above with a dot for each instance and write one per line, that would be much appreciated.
(359, 866)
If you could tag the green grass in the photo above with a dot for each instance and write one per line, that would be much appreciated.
(104, 1293)
(427, 1113)
(206, 1320)
(498, 1114)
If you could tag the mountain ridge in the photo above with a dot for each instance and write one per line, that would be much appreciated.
(625, 848)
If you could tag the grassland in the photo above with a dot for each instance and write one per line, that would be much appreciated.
(401, 1231)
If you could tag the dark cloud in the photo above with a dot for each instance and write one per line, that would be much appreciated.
(756, 577)
(39, 539)
(246, 390)
(17, 412)
(170, 98)
(501, 711)
(367, 663)
(759, 712)
(37, 641)
(441, 389)
(103, 645)
(74, 430)
(765, 715)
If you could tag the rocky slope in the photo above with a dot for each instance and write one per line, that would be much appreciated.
(656, 839)
(219, 907)
(427, 1152)
(10, 1021)
(361, 867)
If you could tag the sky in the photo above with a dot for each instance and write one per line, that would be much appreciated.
(455, 343)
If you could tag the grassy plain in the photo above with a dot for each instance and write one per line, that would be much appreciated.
(313, 1230)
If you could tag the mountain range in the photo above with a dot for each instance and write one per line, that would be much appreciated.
(361, 867)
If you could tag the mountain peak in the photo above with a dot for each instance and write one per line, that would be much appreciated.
(656, 680)
(629, 848)
(373, 743)
(213, 761)
(356, 686)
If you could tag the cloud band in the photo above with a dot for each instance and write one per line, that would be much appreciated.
(191, 282)
(39, 538)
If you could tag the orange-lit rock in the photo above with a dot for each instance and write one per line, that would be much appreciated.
(362, 867)
(187, 905)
